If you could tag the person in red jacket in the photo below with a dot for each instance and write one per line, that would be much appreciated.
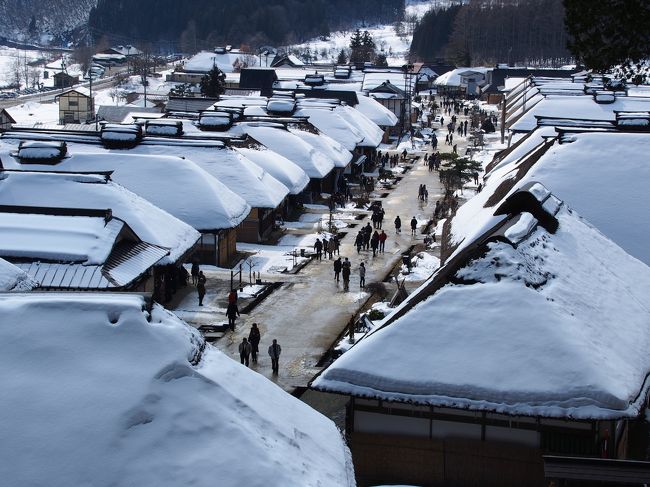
(382, 241)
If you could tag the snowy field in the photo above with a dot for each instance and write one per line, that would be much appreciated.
(386, 39)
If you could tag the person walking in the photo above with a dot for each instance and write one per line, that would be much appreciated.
(232, 312)
(398, 224)
(254, 340)
(345, 271)
(326, 244)
(318, 247)
(200, 287)
(382, 241)
(337, 244)
(362, 275)
(380, 217)
(274, 352)
(338, 265)
(358, 241)
(232, 296)
(414, 225)
(194, 272)
(244, 351)
(374, 243)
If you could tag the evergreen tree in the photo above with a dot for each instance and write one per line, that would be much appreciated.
(212, 84)
(610, 33)
(342, 58)
(457, 171)
(356, 48)
(381, 60)
(368, 46)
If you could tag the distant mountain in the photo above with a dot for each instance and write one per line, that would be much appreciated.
(36, 20)
(188, 26)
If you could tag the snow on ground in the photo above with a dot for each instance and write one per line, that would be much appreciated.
(104, 364)
(33, 113)
(423, 265)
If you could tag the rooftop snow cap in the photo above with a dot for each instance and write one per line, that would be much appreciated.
(218, 120)
(41, 151)
(118, 136)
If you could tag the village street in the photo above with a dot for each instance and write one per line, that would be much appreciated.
(310, 310)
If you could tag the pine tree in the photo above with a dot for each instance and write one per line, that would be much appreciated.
(212, 84)
(356, 48)
(343, 57)
(381, 60)
(607, 34)
(457, 171)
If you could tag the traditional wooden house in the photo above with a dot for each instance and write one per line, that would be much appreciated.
(259, 79)
(64, 80)
(76, 106)
(507, 353)
(6, 120)
(83, 232)
(167, 181)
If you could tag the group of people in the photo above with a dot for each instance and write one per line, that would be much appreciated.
(387, 159)
(344, 269)
(423, 193)
(327, 247)
(249, 348)
(433, 161)
(366, 239)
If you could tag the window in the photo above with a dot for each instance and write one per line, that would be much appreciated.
(73, 103)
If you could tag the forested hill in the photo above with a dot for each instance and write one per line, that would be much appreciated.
(206, 23)
(488, 31)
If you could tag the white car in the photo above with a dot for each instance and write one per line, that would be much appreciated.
(437, 119)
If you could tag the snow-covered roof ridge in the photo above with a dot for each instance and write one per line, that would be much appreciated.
(518, 322)
(579, 169)
(174, 411)
(68, 190)
(173, 183)
(13, 279)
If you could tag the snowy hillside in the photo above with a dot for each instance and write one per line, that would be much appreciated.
(390, 40)
(52, 17)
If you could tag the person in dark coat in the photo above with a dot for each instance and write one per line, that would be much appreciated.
(254, 340)
(374, 243)
(194, 272)
(274, 352)
(382, 241)
(398, 224)
(414, 225)
(358, 241)
(318, 247)
(362, 275)
(346, 268)
(338, 265)
(200, 287)
(232, 312)
(336, 245)
(244, 351)
(232, 296)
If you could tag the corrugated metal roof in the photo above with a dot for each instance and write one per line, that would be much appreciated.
(191, 105)
(127, 263)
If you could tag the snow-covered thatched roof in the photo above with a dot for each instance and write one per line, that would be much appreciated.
(105, 390)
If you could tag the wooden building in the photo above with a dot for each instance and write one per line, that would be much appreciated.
(76, 106)
(6, 120)
(64, 80)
